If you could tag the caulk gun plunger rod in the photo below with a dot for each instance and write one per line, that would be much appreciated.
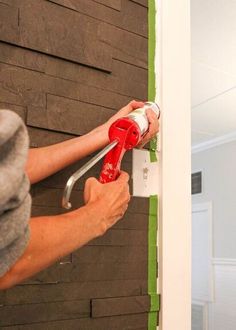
(78, 174)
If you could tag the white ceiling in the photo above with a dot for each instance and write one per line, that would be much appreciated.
(213, 69)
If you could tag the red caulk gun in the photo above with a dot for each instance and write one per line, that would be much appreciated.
(124, 134)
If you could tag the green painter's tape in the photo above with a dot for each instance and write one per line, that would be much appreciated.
(152, 321)
(153, 201)
(152, 263)
(151, 67)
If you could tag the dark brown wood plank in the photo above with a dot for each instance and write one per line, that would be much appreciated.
(9, 29)
(69, 34)
(115, 254)
(42, 137)
(120, 237)
(43, 293)
(126, 46)
(67, 115)
(96, 94)
(30, 87)
(40, 19)
(24, 58)
(126, 80)
(21, 87)
(33, 313)
(119, 306)
(124, 322)
(91, 272)
(115, 4)
(141, 2)
(125, 18)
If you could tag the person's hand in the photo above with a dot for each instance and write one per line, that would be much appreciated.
(131, 106)
(110, 200)
(152, 119)
(153, 128)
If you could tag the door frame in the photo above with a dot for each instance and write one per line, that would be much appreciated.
(173, 60)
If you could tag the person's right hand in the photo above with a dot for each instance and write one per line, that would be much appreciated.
(110, 200)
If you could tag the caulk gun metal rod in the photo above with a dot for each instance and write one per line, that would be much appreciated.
(80, 172)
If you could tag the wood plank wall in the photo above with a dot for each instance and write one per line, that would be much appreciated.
(65, 67)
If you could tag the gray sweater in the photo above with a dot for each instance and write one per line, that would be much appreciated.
(15, 201)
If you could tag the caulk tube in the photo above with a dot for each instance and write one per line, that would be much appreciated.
(140, 117)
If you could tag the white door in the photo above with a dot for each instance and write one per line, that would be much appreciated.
(202, 270)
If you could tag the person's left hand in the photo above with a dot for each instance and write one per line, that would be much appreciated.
(131, 106)
(152, 118)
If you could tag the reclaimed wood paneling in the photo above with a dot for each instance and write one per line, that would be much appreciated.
(141, 2)
(124, 322)
(119, 306)
(131, 17)
(66, 66)
(21, 57)
(50, 29)
(124, 45)
(115, 4)
(33, 313)
(67, 115)
(9, 19)
(43, 293)
(91, 272)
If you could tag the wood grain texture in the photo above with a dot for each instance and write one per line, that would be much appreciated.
(22, 57)
(119, 306)
(124, 322)
(124, 18)
(141, 2)
(91, 272)
(124, 45)
(33, 313)
(68, 115)
(115, 4)
(42, 138)
(9, 20)
(126, 79)
(43, 293)
(120, 237)
(116, 254)
(56, 31)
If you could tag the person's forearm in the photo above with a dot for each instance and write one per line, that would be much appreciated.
(43, 162)
(51, 238)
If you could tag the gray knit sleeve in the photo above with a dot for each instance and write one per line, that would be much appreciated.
(15, 201)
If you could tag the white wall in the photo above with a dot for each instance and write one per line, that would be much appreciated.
(218, 167)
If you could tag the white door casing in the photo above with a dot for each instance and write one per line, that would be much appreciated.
(173, 94)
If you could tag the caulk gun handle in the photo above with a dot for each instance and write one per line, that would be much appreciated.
(111, 165)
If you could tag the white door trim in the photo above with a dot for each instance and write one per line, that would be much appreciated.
(173, 91)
